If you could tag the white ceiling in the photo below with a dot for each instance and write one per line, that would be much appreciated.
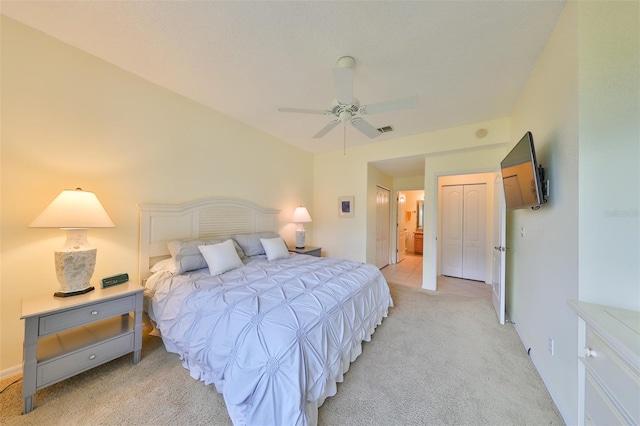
(466, 60)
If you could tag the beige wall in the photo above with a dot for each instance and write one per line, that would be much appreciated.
(609, 153)
(71, 120)
(582, 103)
(542, 266)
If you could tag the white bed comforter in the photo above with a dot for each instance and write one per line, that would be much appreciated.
(273, 336)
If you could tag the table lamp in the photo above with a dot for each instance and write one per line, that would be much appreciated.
(300, 216)
(74, 211)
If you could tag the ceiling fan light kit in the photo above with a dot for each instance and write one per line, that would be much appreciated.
(347, 108)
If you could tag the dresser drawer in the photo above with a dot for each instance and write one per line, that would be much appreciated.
(614, 374)
(64, 320)
(60, 368)
(599, 408)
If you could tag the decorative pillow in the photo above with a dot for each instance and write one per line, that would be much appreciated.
(164, 265)
(188, 257)
(221, 257)
(250, 243)
(275, 248)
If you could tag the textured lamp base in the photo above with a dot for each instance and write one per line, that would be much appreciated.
(75, 264)
(300, 238)
(73, 293)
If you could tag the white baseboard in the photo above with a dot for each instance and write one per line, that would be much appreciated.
(10, 372)
(562, 409)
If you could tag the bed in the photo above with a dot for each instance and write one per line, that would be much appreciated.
(274, 333)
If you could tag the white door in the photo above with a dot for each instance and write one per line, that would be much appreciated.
(382, 227)
(452, 204)
(401, 232)
(499, 248)
(464, 231)
(474, 259)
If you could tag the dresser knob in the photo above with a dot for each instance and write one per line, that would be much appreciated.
(94, 313)
(92, 357)
(589, 353)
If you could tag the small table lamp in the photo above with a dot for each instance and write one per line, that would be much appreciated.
(300, 216)
(75, 211)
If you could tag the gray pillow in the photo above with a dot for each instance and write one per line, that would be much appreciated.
(250, 243)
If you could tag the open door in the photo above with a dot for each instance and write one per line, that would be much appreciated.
(499, 248)
(401, 231)
(382, 227)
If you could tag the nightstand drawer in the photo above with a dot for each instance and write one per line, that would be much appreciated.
(57, 322)
(60, 368)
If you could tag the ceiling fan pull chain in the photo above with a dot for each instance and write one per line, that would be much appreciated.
(344, 138)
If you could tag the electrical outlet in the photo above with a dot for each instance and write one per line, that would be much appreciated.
(551, 347)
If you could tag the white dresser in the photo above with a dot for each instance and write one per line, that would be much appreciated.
(610, 358)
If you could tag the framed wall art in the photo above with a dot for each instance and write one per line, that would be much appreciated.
(345, 206)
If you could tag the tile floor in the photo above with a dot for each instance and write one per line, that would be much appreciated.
(409, 272)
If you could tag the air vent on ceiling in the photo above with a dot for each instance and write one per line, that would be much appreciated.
(385, 129)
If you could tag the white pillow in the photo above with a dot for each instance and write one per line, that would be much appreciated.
(164, 265)
(187, 256)
(275, 248)
(221, 257)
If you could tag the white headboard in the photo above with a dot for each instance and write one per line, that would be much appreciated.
(202, 219)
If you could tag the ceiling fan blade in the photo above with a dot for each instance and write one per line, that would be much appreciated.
(343, 81)
(394, 105)
(365, 127)
(306, 111)
(326, 129)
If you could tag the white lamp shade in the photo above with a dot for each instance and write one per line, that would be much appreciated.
(74, 209)
(301, 215)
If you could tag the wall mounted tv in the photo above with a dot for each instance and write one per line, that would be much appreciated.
(523, 179)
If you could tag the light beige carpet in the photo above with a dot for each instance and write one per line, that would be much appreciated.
(438, 359)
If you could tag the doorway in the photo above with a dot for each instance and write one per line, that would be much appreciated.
(464, 231)
(480, 187)
(409, 222)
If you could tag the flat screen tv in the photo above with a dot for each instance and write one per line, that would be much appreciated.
(523, 179)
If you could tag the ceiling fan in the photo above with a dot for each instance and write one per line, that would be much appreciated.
(346, 108)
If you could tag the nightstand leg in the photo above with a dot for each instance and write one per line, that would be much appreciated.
(137, 329)
(28, 405)
(29, 364)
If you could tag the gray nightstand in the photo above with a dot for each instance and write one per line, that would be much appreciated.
(311, 251)
(66, 336)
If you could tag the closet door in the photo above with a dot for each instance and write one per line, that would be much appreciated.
(464, 231)
(452, 210)
(474, 232)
